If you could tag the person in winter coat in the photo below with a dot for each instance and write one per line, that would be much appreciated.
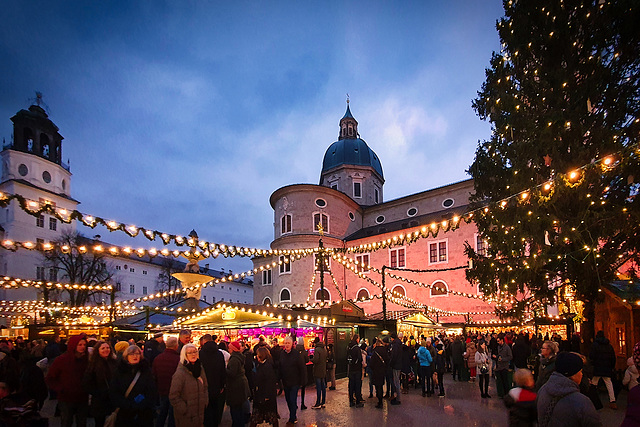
(603, 359)
(632, 416)
(484, 369)
(137, 409)
(521, 352)
(438, 367)
(320, 373)
(237, 386)
(630, 375)
(470, 358)
(102, 365)
(164, 366)
(378, 363)
(291, 373)
(457, 357)
(331, 367)
(396, 366)
(547, 366)
(425, 360)
(215, 369)
(560, 403)
(154, 347)
(188, 394)
(65, 377)
(265, 407)
(304, 357)
(521, 400)
(354, 358)
(502, 365)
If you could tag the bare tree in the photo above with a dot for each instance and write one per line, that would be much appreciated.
(78, 267)
(166, 282)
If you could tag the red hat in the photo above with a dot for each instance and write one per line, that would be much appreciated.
(235, 345)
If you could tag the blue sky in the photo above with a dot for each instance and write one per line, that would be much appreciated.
(180, 115)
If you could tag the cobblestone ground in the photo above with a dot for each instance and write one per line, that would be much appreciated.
(462, 406)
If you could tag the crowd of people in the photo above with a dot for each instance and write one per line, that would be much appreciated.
(543, 381)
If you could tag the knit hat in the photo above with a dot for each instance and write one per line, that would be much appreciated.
(121, 346)
(568, 364)
(235, 345)
(636, 355)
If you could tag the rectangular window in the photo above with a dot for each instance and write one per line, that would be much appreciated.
(397, 258)
(40, 221)
(266, 277)
(39, 273)
(285, 267)
(132, 270)
(320, 218)
(438, 252)
(144, 272)
(118, 287)
(481, 246)
(118, 267)
(144, 290)
(132, 289)
(327, 263)
(363, 263)
(357, 190)
(53, 224)
(53, 274)
(376, 195)
(285, 224)
(204, 297)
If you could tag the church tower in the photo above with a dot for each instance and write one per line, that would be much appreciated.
(351, 167)
(32, 167)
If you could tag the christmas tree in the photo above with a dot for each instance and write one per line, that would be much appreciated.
(557, 183)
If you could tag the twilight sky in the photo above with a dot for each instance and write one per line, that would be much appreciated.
(189, 114)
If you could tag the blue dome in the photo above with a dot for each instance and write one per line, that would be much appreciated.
(351, 152)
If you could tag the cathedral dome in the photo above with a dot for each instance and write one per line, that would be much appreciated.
(353, 151)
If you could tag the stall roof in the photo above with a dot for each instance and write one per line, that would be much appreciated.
(245, 316)
(419, 320)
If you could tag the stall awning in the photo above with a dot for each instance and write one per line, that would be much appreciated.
(419, 320)
(243, 318)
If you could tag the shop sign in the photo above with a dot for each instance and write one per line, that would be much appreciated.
(330, 336)
(228, 315)
(347, 309)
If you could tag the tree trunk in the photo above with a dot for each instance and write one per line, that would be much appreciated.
(587, 327)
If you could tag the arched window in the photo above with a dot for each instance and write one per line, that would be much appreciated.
(285, 295)
(327, 296)
(363, 294)
(320, 218)
(439, 288)
(44, 145)
(266, 301)
(399, 289)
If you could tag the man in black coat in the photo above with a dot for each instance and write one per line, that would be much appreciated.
(603, 359)
(292, 371)
(212, 361)
(154, 347)
(354, 359)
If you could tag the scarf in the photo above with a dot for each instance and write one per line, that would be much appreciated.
(194, 368)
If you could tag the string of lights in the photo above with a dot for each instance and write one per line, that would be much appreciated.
(8, 282)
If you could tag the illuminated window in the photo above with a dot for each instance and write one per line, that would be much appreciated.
(481, 246)
(399, 289)
(439, 288)
(363, 294)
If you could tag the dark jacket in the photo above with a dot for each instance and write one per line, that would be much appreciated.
(264, 398)
(319, 361)
(212, 361)
(632, 416)
(396, 354)
(96, 382)
(9, 371)
(572, 408)
(522, 407)
(378, 364)
(138, 408)
(67, 372)
(457, 351)
(602, 356)
(152, 349)
(354, 358)
(237, 384)
(504, 357)
(546, 368)
(439, 363)
(292, 369)
(164, 366)
(521, 352)
(304, 357)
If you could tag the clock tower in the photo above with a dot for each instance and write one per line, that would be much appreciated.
(32, 167)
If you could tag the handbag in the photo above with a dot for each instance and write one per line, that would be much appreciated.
(484, 368)
(110, 421)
